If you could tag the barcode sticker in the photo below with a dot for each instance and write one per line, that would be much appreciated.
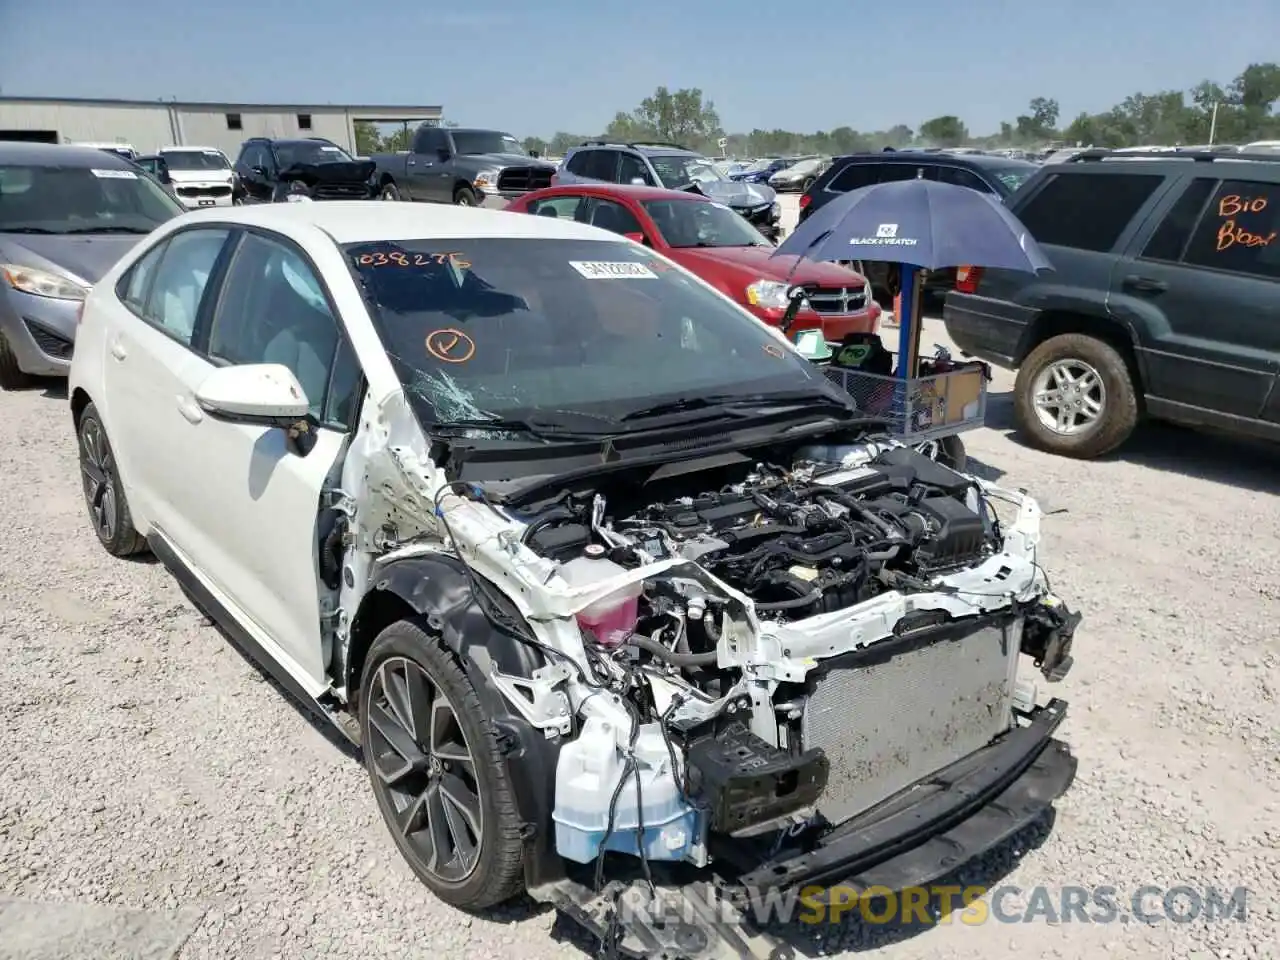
(616, 270)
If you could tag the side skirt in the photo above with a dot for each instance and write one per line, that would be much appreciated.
(340, 722)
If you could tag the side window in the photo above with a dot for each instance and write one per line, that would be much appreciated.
(1170, 238)
(134, 285)
(577, 163)
(173, 302)
(428, 141)
(254, 156)
(1240, 231)
(614, 217)
(961, 177)
(1086, 211)
(631, 167)
(854, 176)
(891, 172)
(566, 208)
(346, 382)
(273, 310)
(602, 165)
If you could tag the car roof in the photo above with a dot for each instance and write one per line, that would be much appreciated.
(364, 221)
(919, 156)
(633, 191)
(188, 149)
(649, 150)
(60, 155)
(1228, 166)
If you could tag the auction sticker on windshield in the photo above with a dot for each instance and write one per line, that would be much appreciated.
(115, 174)
(616, 270)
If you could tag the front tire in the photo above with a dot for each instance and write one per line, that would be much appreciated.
(437, 772)
(390, 193)
(12, 376)
(103, 493)
(465, 197)
(1074, 396)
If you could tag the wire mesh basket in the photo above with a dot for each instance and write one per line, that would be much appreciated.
(921, 408)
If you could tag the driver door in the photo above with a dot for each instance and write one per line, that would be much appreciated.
(253, 505)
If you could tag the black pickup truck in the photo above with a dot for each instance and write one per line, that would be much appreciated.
(465, 167)
(1164, 300)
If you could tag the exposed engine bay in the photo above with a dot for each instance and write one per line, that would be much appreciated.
(783, 647)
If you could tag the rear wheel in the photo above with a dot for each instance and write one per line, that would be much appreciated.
(1074, 396)
(12, 376)
(103, 494)
(437, 772)
(464, 197)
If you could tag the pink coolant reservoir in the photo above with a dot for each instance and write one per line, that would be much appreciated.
(613, 618)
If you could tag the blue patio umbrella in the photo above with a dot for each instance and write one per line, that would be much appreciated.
(918, 224)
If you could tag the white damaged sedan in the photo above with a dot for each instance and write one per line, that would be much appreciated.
(622, 600)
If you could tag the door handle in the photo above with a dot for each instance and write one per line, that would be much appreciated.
(118, 351)
(411, 163)
(1145, 284)
(190, 410)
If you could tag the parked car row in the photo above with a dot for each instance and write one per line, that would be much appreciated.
(720, 230)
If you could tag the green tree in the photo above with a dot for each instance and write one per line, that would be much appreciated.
(535, 145)
(1246, 111)
(944, 131)
(682, 116)
(367, 140)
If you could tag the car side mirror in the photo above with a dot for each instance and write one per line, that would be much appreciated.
(261, 395)
(638, 182)
(258, 171)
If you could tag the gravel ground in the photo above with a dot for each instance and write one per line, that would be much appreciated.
(145, 766)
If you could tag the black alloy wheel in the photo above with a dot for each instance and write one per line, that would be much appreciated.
(438, 773)
(421, 756)
(103, 495)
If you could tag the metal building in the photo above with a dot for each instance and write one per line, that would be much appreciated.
(149, 125)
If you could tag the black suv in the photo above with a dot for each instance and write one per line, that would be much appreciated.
(1165, 299)
(1000, 176)
(275, 171)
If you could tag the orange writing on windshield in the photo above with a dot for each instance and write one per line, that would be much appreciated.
(399, 259)
(1231, 234)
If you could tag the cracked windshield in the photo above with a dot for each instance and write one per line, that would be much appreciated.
(567, 331)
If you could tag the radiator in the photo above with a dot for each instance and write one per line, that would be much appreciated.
(886, 725)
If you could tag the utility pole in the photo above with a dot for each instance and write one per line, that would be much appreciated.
(1213, 123)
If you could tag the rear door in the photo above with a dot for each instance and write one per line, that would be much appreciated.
(149, 355)
(427, 176)
(1204, 281)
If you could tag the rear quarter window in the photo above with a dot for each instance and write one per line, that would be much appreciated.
(1086, 211)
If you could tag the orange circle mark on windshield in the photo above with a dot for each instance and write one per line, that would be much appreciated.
(450, 346)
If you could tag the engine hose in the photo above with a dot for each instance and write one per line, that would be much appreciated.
(854, 506)
(813, 596)
(330, 560)
(675, 659)
(544, 520)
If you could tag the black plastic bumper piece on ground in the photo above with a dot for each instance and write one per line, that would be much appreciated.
(914, 839)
